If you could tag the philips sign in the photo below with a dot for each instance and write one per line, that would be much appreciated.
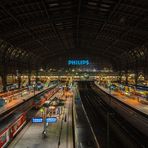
(78, 62)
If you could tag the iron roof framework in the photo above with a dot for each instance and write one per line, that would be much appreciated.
(38, 30)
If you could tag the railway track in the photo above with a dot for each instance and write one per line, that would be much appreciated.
(111, 130)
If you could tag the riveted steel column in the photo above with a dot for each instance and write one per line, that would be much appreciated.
(37, 74)
(4, 70)
(145, 71)
(120, 76)
(126, 76)
(136, 78)
(4, 80)
(29, 74)
(19, 79)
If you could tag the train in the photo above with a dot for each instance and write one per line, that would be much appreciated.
(2, 102)
(10, 87)
(9, 129)
(40, 99)
(12, 124)
(140, 87)
(128, 90)
(12, 92)
(33, 102)
(8, 96)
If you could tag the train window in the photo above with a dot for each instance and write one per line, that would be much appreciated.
(19, 122)
(15, 127)
(11, 130)
(3, 138)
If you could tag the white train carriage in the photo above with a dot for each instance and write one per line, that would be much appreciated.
(10, 127)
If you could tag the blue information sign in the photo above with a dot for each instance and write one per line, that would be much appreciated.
(37, 120)
(51, 120)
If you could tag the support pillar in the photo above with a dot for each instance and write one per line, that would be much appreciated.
(29, 76)
(126, 76)
(37, 75)
(145, 74)
(19, 81)
(4, 81)
(136, 78)
(4, 73)
(145, 70)
(13, 79)
(120, 76)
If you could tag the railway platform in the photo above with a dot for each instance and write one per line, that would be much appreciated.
(59, 134)
(132, 101)
(19, 100)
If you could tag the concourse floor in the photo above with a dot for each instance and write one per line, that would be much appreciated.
(59, 134)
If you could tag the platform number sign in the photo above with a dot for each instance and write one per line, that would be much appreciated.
(37, 120)
(51, 120)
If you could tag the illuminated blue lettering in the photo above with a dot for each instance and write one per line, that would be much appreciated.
(78, 62)
(87, 62)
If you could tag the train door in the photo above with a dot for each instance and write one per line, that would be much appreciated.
(4, 138)
(11, 131)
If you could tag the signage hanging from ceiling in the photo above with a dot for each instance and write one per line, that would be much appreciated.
(37, 120)
(51, 120)
(78, 62)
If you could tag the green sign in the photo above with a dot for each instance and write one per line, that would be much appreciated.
(42, 110)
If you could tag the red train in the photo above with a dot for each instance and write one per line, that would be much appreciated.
(10, 128)
(13, 124)
(40, 100)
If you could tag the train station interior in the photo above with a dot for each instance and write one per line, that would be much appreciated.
(73, 73)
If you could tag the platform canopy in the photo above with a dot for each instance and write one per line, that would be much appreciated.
(36, 32)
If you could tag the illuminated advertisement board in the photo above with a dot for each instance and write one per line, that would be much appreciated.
(78, 62)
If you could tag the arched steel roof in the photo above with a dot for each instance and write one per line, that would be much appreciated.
(113, 29)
